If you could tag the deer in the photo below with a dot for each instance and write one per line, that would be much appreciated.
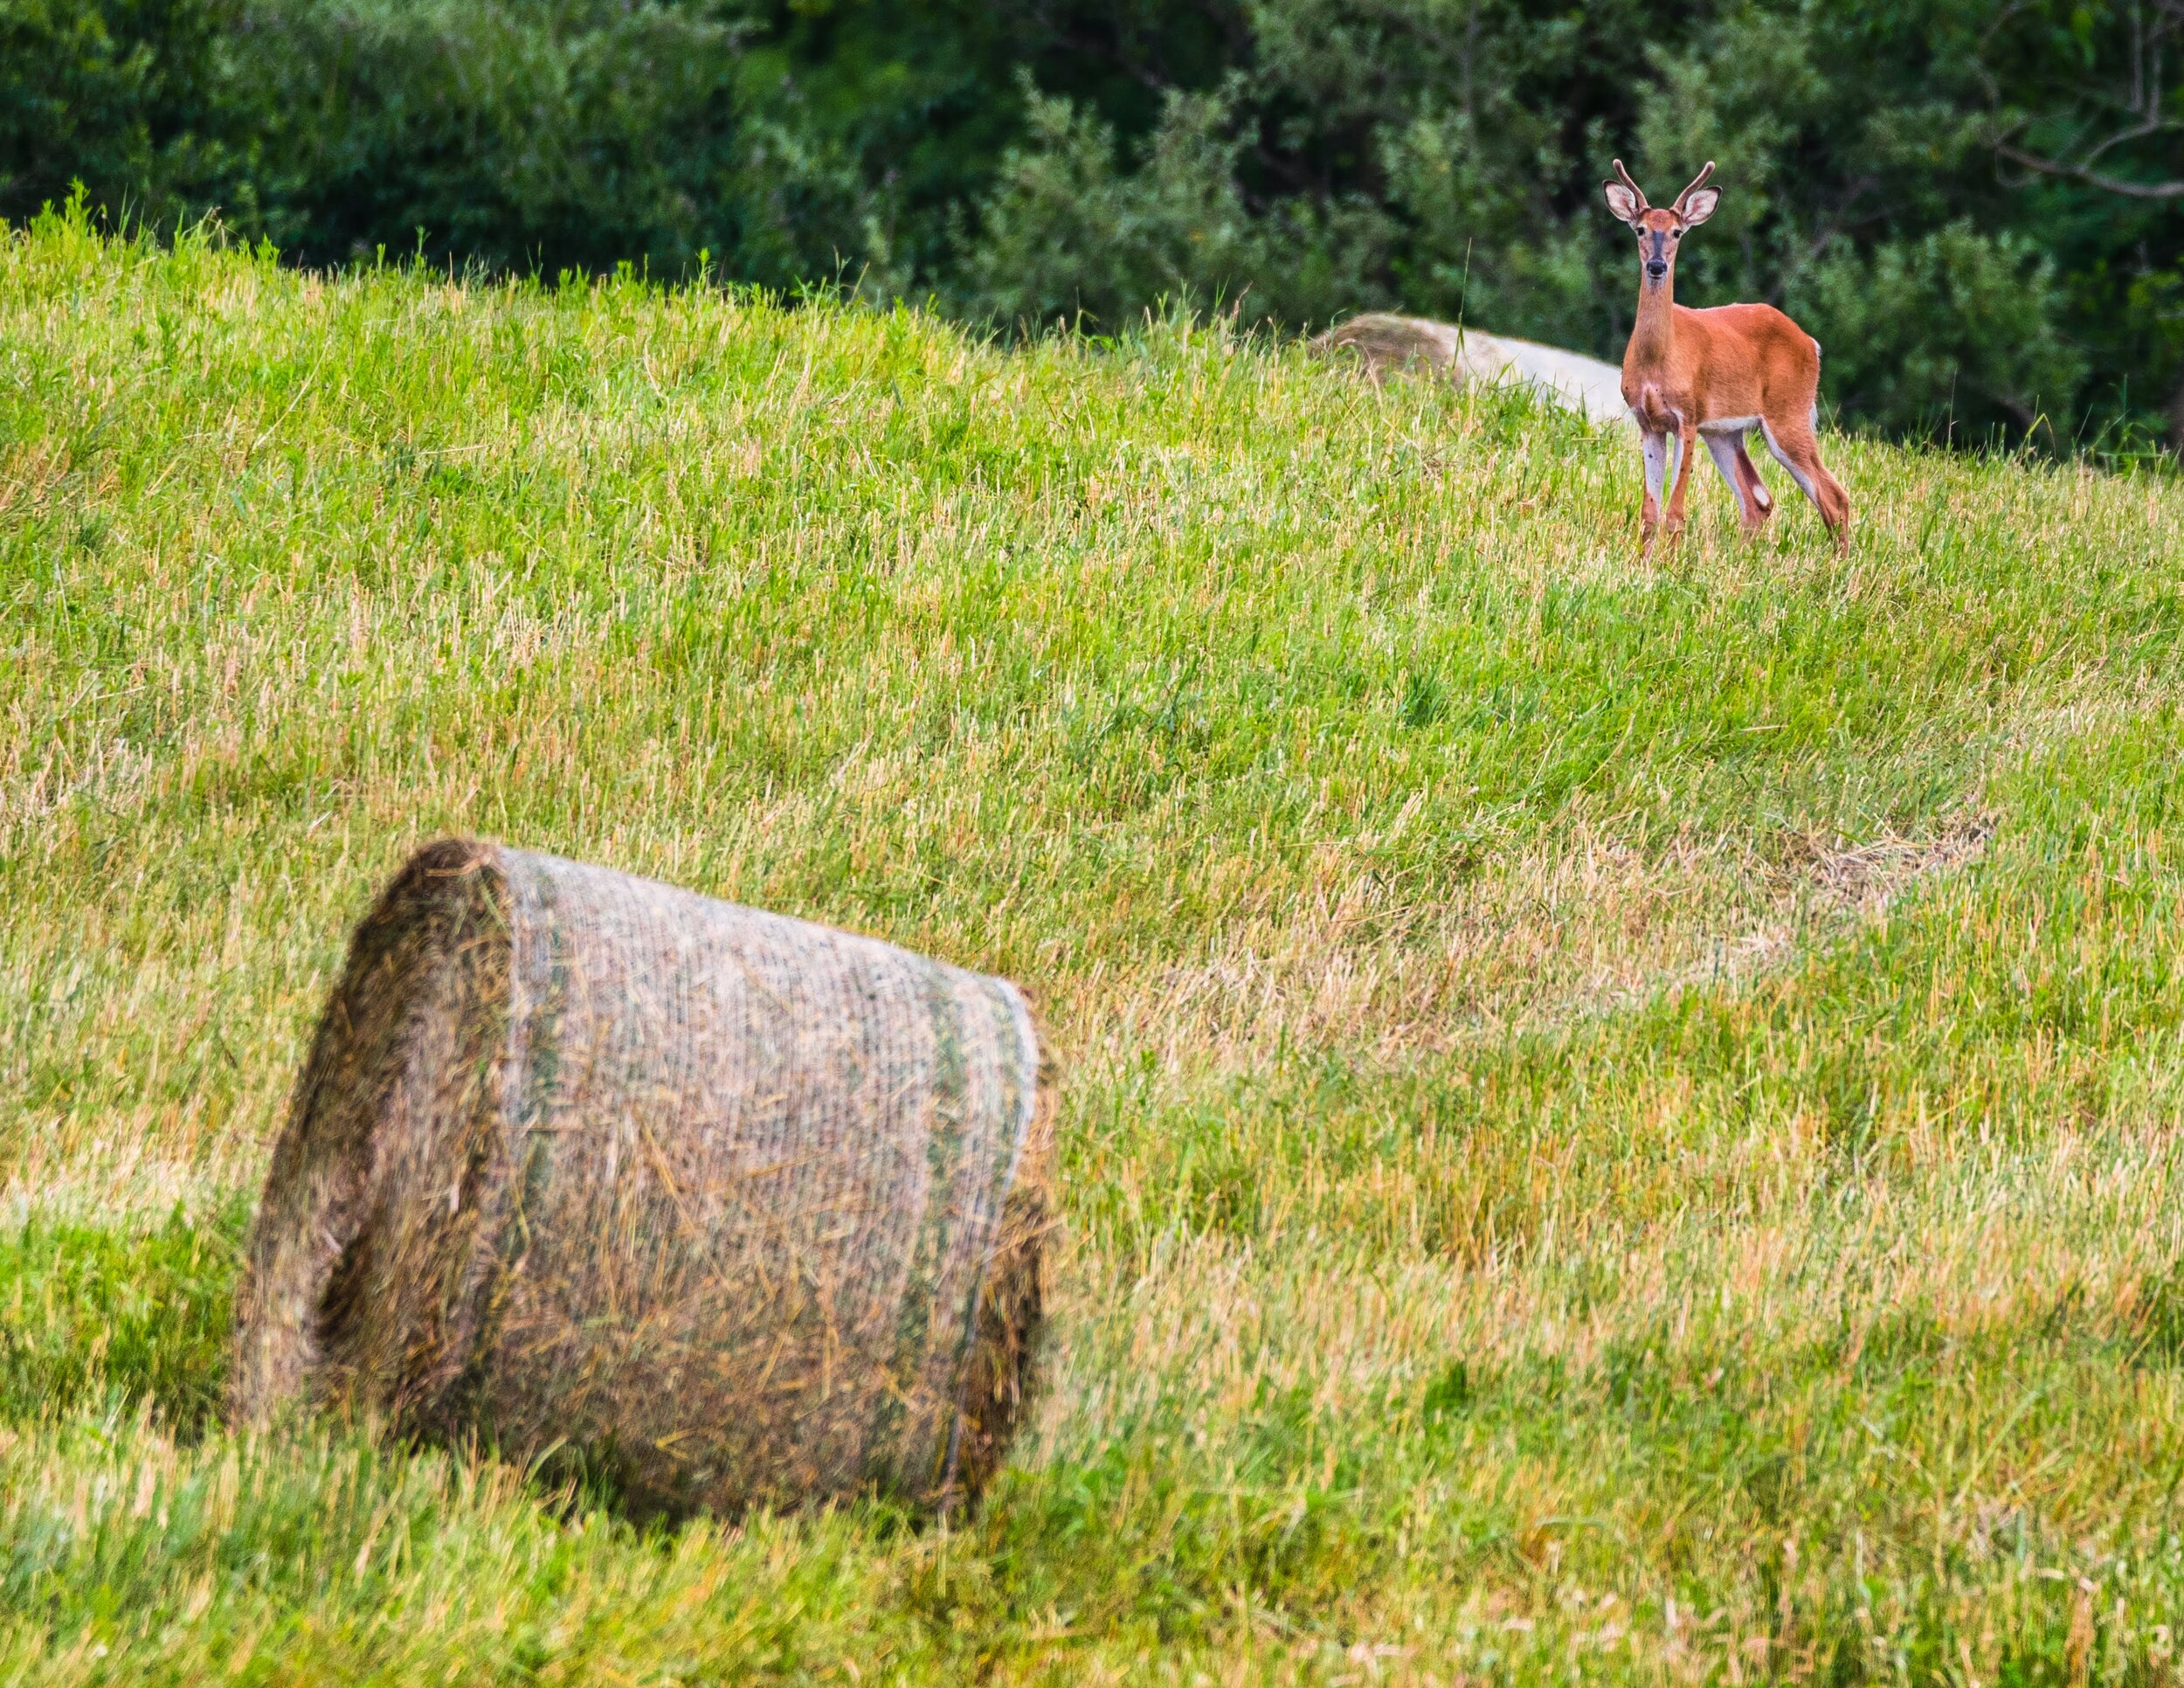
(1716, 375)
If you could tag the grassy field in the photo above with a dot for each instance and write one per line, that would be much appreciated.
(1621, 1116)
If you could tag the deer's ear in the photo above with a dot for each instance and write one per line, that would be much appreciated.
(1622, 201)
(1700, 206)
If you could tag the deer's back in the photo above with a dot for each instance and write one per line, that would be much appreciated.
(1753, 360)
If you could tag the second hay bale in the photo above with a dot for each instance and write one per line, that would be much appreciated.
(1385, 344)
(743, 1208)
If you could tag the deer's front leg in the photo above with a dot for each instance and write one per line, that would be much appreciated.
(1686, 439)
(1654, 447)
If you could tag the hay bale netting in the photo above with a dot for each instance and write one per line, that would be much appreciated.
(734, 1208)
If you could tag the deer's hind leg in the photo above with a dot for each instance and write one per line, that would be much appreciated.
(1754, 502)
(1795, 444)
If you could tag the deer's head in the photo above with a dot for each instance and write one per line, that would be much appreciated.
(1658, 231)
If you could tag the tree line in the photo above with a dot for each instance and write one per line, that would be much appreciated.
(1976, 205)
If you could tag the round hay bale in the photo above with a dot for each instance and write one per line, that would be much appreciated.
(735, 1208)
(1384, 342)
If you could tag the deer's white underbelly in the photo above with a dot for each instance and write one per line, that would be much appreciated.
(1730, 425)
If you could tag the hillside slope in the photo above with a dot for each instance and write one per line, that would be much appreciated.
(1620, 1117)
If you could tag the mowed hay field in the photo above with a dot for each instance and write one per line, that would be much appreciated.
(1620, 1117)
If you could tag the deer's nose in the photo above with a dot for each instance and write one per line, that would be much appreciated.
(1656, 269)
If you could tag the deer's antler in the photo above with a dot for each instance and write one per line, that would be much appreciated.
(1698, 182)
(1623, 176)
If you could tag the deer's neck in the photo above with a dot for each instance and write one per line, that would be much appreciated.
(1654, 333)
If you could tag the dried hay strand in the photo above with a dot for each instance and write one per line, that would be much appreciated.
(735, 1208)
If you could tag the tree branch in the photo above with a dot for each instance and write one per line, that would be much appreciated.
(2093, 178)
(2132, 113)
(2154, 125)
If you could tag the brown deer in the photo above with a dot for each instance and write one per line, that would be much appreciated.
(1716, 375)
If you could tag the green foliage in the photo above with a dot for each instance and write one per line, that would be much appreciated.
(1067, 233)
(582, 133)
(1917, 333)
(126, 97)
(1965, 204)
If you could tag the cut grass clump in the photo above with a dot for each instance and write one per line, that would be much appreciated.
(96, 1320)
(1620, 1114)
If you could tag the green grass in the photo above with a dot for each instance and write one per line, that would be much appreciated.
(1621, 1116)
